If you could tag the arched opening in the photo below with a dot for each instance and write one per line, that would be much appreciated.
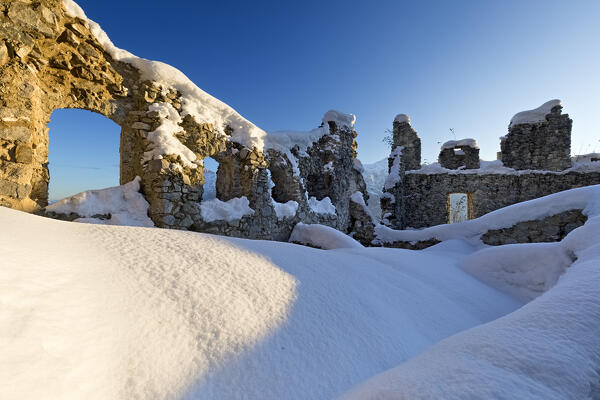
(83, 152)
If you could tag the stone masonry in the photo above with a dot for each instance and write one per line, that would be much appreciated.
(544, 145)
(459, 156)
(51, 60)
(420, 198)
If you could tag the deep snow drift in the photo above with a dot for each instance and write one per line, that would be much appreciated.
(548, 349)
(109, 312)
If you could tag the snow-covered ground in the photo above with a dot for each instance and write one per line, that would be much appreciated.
(113, 312)
(108, 312)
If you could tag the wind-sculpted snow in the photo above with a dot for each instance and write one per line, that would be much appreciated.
(548, 349)
(108, 312)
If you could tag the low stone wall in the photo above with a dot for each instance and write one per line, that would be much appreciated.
(425, 197)
(550, 229)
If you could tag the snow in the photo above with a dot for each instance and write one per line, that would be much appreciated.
(230, 210)
(450, 144)
(109, 312)
(548, 349)
(162, 138)
(96, 312)
(402, 118)
(285, 210)
(524, 271)
(394, 175)
(497, 167)
(322, 237)
(125, 204)
(536, 115)
(195, 102)
(323, 206)
(341, 119)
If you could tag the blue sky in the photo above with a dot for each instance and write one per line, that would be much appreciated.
(466, 65)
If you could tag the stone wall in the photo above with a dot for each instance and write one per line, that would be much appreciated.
(544, 145)
(550, 229)
(50, 60)
(425, 196)
(404, 135)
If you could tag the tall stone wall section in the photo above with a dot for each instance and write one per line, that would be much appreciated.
(542, 145)
(50, 60)
(426, 195)
(404, 135)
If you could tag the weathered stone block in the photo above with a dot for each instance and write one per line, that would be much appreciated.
(16, 133)
(24, 154)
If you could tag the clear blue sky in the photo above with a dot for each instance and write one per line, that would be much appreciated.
(466, 65)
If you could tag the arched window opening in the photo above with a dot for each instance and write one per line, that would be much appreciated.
(283, 186)
(83, 152)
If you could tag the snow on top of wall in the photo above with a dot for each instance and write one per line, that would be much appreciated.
(402, 118)
(341, 119)
(450, 144)
(125, 204)
(394, 175)
(496, 167)
(233, 209)
(535, 115)
(163, 139)
(323, 237)
(195, 102)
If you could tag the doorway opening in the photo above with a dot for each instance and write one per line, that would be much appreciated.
(459, 207)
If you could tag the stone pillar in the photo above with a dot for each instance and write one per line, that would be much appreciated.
(539, 143)
(406, 136)
(392, 199)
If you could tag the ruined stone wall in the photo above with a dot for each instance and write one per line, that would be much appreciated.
(550, 229)
(404, 135)
(542, 145)
(426, 196)
(50, 60)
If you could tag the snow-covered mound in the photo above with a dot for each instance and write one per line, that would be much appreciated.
(110, 312)
(535, 115)
(523, 270)
(125, 205)
(548, 349)
(323, 237)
